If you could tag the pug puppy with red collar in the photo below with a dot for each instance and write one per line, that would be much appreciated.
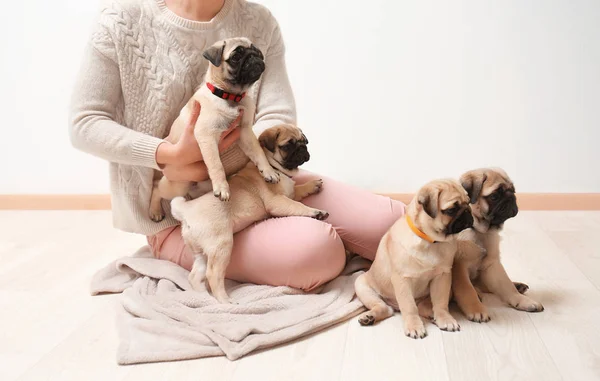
(235, 64)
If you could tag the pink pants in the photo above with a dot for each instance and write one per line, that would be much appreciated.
(298, 251)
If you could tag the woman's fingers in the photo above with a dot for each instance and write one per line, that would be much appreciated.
(236, 122)
(229, 139)
(194, 114)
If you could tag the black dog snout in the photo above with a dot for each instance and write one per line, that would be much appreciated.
(505, 209)
(462, 222)
(297, 157)
(251, 69)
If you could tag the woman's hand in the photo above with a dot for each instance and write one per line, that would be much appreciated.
(192, 172)
(186, 151)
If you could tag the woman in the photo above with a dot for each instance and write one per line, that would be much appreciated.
(142, 64)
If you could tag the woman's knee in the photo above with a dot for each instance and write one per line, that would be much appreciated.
(292, 251)
(320, 254)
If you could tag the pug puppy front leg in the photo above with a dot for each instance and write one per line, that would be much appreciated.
(466, 296)
(497, 281)
(281, 206)
(251, 147)
(304, 190)
(425, 308)
(413, 325)
(210, 152)
(440, 297)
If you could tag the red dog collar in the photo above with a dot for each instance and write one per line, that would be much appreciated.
(225, 95)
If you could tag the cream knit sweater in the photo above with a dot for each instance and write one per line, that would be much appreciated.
(142, 64)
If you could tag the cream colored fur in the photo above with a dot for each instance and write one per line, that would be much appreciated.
(477, 264)
(208, 225)
(215, 117)
(407, 269)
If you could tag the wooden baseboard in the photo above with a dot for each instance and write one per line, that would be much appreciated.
(527, 201)
(540, 201)
(54, 202)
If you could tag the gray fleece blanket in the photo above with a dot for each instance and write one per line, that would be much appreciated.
(161, 318)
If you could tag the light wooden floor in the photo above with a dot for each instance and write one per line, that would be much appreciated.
(51, 329)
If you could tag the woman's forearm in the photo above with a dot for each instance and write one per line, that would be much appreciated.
(93, 128)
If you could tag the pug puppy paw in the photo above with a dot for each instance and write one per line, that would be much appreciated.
(270, 175)
(156, 216)
(317, 186)
(524, 303)
(366, 318)
(446, 322)
(477, 313)
(320, 214)
(414, 327)
(221, 191)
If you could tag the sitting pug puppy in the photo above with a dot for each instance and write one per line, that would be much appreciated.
(208, 225)
(414, 259)
(235, 64)
(477, 262)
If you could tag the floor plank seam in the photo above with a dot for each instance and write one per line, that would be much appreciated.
(546, 347)
(583, 274)
(348, 322)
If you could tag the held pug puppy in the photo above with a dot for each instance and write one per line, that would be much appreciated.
(208, 225)
(414, 259)
(234, 65)
(492, 195)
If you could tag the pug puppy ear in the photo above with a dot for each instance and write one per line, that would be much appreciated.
(428, 198)
(214, 54)
(473, 183)
(268, 138)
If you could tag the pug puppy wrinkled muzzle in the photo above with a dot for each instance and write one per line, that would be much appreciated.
(462, 222)
(250, 68)
(297, 157)
(505, 209)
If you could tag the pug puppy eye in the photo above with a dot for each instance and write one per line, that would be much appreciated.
(495, 196)
(235, 57)
(451, 211)
(286, 147)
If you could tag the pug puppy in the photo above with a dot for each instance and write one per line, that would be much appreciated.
(477, 263)
(414, 259)
(208, 225)
(235, 64)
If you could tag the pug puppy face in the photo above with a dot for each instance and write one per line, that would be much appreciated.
(286, 144)
(442, 209)
(492, 197)
(235, 63)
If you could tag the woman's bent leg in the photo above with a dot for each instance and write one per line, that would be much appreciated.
(361, 218)
(292, 251)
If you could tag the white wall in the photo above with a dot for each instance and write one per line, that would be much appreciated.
(439, 87)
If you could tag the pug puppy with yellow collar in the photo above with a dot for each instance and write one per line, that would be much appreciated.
(208, 225)
(414, 260)
(477, 263)
(235, 64)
